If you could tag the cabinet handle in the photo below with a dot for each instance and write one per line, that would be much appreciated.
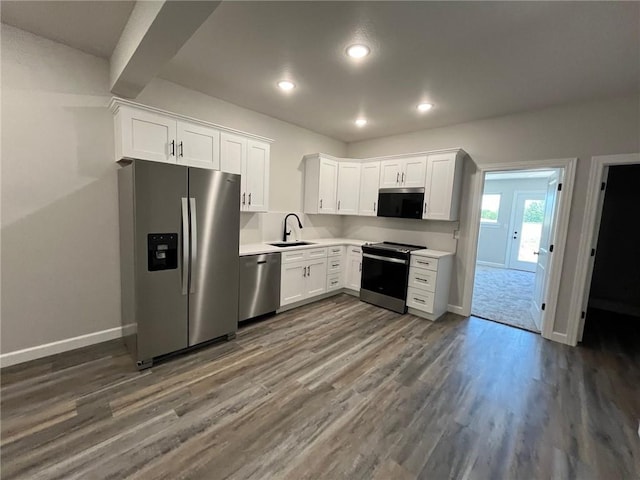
(402, 177)
(421, 262)
(419, 300)
(243, 195)
(422, 280)
(249, 199)
(425, 207)
(320, 203)
(173, 148)
(181, 149)
(304, 272)
(308, 271)
(374, 206)
(397, 177)
(338, 204)
(360, 268)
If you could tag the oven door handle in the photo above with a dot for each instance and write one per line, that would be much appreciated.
(386, 259)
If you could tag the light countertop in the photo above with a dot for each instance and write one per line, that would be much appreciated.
(427, 252)
(258, 248)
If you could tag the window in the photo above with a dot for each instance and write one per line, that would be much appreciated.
(490, 208)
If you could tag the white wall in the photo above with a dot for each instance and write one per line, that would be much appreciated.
(494, 238)
(582, 130)
(60, 255)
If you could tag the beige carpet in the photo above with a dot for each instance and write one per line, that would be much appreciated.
(504, 296)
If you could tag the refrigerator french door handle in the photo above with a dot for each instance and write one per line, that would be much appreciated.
(194, 242)
(185, 246)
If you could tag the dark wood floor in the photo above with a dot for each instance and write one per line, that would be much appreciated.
(338, 390)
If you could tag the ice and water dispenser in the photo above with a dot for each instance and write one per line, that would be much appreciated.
(162, 251)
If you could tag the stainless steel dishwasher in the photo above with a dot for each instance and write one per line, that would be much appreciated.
(259, 285)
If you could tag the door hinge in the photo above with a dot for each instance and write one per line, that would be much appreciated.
(584, 314)
(602, 187)
(551, 248)
(593, 252)
(559, 187)
(544, 305)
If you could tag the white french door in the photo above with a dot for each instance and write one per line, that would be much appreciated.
(526, 230)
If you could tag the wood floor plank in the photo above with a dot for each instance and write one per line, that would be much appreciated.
(338, 389)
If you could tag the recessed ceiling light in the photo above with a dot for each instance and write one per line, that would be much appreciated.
(361, 122)
(425, 107)
(286, 85)
(358, 51)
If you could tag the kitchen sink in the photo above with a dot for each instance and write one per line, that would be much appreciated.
(290, 244)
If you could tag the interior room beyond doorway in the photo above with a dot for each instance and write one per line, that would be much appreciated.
(517, 216)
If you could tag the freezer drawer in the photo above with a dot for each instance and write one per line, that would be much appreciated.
(259, 285)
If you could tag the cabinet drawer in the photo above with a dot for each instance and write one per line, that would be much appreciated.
(334, 281)
(304, 254)
(353, 249)
(316, 253)
(420, 300)
(424, 262)
(334, 265)
(335, 251)
(422, 279)
(294, 256)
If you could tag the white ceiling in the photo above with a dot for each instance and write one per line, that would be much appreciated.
(93, 27)
(471, 59)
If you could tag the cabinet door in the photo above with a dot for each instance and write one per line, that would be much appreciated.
(233, 157)
(293, 282)
(439, 186)
(354, 271)
(348, 188)
(148, 136)
(390, 173)
(369, 184)
(316, 280)
(198, 146)
(414, 172)
(257, 176)
(328, 186)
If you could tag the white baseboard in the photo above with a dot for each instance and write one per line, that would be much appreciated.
(457, 309)
(39, 351)
(615, 307)
(491, 264)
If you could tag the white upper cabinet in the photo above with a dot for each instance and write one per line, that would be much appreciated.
(320, 184)
(443, 186)
(403, 172)
(233, 153)
(198, 146)
(256, 176)
(348, 188)
(145, 135)
(369, 182)
(390, 171)
(250, 159)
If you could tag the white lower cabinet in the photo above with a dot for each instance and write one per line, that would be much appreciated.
(429, 279)
(303, 275)
(353, 273)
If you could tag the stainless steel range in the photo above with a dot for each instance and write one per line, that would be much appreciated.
(385, 274)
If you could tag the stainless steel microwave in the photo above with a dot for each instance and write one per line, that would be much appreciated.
(400, 202)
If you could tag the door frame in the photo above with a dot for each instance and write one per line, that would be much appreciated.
(568, 165)
(589, 237)
(512, 221)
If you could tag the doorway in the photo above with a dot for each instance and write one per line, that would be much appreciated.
(611, 304)
(517, 224)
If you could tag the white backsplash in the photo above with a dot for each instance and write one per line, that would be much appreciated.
(267, 227)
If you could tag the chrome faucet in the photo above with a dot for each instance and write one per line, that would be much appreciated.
(285, 234)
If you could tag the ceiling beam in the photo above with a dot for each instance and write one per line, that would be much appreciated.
(152, 36)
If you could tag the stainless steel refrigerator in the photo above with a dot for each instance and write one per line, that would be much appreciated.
(179, 237)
